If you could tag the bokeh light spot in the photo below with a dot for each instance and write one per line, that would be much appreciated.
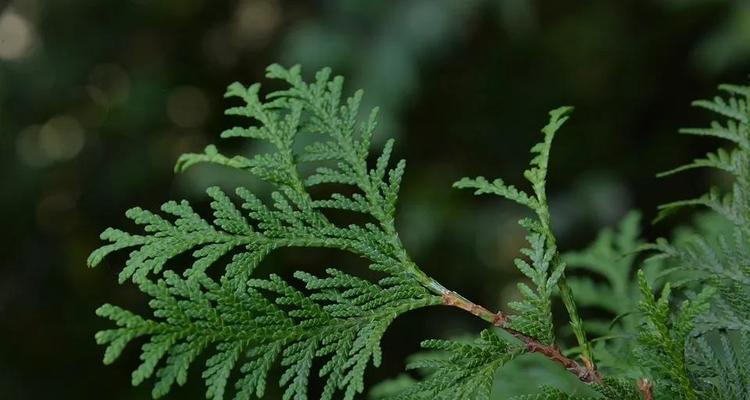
(16, 36)
(187, 107)
(255, 20)
(60, 139)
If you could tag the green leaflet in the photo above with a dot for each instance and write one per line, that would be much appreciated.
(722, 261)
(611, 256)
(249, 325)
(609, 285)
(662, 339)
(545, 270)
(720, 365)
(463, 369)
(717, 262)
(734, 205)
(465, 372)
(612, 388)
(294, 218)
(339, 319)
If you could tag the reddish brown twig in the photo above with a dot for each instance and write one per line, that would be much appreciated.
(646, 388)
(583, 372)
(586, 373)
(451, 298)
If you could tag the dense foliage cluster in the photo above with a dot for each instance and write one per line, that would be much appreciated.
(689, 342)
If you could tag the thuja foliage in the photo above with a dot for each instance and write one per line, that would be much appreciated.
(211, 312)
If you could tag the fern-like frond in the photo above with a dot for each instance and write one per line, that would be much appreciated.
(465, 372)
(240, 319)
(241, 327)
(734, 205)
(662, 339)
(497, 187)
(718, 262)
(724, 261)
(164, 239)
(611, 256)
(610, 286)
(552, 393)
(340, 320)
(720, 365)
(294, 218)
(733, 107)
(546, 270)
(533, 312)
(617, 388)
(286, 223)
(536, 174)
(609, 389)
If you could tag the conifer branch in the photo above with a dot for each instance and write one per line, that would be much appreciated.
(546, 270)
(586, 373)
(332, 324)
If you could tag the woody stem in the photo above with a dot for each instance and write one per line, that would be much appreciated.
(586, 373)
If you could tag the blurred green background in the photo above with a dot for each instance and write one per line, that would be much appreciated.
(98, 98)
